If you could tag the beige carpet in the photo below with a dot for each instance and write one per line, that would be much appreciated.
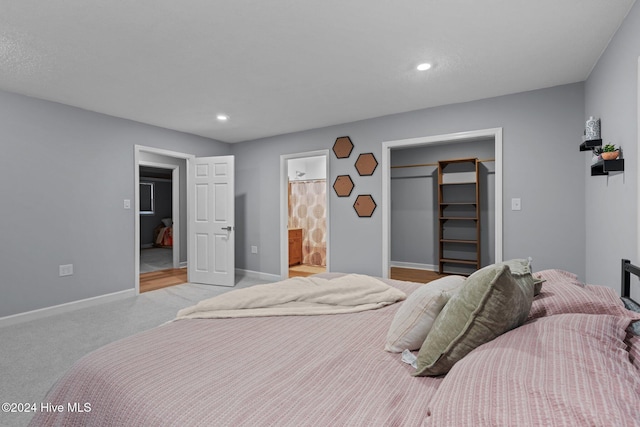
(34, 354)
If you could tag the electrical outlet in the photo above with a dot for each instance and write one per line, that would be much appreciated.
(254, 249)
(66, 270)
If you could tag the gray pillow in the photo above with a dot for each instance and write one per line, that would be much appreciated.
(521, 271)
(490, 303)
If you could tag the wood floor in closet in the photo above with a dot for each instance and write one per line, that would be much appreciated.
(414, 275)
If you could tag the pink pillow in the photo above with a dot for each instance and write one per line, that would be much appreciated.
(569, 369)
(562, 292)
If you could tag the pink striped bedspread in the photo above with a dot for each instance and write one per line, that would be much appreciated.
(563, 367)
(328, 370)
(563, 370)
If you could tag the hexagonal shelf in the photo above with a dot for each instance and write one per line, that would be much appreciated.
(366, 164)
(342, 147)
(364, 205)
(343, 185)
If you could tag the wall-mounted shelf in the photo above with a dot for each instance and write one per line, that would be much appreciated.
(603, 167)
(590, 145)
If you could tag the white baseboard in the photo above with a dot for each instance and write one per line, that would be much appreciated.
(101, 299)
(415, 266)
(65, 308)
(258, 275)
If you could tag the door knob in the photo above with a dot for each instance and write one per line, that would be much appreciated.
(228, 228)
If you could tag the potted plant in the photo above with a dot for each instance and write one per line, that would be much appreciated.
(610, 152)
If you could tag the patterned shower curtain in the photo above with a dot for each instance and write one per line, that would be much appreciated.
(307, 210)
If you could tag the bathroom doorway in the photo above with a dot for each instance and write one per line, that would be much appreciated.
(305, 211)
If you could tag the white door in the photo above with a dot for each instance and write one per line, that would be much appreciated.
(211, 259)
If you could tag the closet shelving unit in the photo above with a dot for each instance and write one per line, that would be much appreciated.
(459, 215)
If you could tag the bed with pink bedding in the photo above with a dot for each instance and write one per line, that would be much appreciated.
(574, 361)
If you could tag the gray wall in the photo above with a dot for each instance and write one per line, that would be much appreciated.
(542, 166)
(64, 173)
(611, 93)
(56, 211)
(414, 201)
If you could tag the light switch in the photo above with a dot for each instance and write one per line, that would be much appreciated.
(515, 204)
(127, 204)
(65, 270)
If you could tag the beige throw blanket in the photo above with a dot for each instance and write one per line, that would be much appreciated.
(298, 296)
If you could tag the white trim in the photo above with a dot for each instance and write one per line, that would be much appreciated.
(495, 133)
(175, 212)
(175, 195)
(413, 265)
(284, 207)
(638, 168)
(257, 275)
(162, 152)
(65, 308)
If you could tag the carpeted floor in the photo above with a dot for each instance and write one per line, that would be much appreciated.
(152, 259)
(33, 355)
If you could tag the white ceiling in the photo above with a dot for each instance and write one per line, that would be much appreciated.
(279, 66)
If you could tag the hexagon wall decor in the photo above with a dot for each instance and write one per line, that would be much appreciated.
(342, 147)
(364, 205)
(343, 185)
(366, 164)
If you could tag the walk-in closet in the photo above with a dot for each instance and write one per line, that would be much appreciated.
(442, 206)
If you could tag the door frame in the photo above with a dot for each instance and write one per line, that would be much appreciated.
(483, 134)
(137, 163)
(638, 166)
(284, 206)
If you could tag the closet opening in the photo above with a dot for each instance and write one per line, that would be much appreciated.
(436, 223)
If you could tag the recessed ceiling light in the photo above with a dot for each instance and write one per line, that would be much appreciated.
(424, 66)
(222, 117)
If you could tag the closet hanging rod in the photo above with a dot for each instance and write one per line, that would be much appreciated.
(419, 165)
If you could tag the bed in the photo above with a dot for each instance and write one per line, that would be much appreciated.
(572, 359)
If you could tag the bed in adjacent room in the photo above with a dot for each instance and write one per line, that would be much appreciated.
(482, 350)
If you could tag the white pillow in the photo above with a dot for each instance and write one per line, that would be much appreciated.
(416, 315)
